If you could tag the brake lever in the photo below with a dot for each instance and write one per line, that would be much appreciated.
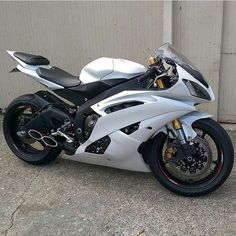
(149, 72)
(159, 77)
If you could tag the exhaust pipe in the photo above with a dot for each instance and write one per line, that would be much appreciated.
(35, 134)
(47, 140)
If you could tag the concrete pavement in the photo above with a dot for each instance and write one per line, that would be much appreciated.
(72, 198)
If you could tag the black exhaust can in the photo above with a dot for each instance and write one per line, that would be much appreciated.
(49, 119)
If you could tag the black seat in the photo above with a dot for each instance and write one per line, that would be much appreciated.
(31, 59)
(58, 76)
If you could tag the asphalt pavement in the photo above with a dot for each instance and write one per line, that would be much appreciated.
(72, 198)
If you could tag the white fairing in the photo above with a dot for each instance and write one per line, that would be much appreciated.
(109, 68)
(180, 91)
(155, 112)
(159, 108)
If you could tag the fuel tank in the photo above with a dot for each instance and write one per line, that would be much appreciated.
(109, 68)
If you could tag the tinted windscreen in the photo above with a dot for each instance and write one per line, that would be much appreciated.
(168, 52)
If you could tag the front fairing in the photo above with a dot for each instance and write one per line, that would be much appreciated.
(184, 93)
(168, 53)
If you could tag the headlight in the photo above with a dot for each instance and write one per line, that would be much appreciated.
(196, 90)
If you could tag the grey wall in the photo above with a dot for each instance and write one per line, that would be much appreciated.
(227, 83)
(205, 32)
(71, 34)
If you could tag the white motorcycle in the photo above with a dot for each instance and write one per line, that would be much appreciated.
(117, 113)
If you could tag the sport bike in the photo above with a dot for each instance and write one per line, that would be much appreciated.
(121, 114)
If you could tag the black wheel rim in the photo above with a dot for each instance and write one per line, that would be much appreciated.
(213, 173)
(25, 145)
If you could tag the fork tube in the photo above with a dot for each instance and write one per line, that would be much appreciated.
(179, 130)
(160, 84)
(152, 61)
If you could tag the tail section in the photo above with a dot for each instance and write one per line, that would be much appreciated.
(28, 64)
(27, 60)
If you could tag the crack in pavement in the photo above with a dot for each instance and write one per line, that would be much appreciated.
(22, 202)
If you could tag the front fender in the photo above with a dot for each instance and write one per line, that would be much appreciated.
(187, 121)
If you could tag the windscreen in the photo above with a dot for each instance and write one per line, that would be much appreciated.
(168, 52)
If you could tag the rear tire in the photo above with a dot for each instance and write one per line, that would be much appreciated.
(215, 180)
(36, 157)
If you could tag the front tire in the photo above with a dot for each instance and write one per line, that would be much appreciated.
(223, 159)
(26, 149)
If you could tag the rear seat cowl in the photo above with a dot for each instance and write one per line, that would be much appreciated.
(31, 59)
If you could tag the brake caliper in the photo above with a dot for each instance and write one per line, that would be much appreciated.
(170, 152)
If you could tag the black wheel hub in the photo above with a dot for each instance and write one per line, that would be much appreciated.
(194, 166)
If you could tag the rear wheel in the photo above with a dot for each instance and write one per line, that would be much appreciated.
(202, 172)
(18, 113)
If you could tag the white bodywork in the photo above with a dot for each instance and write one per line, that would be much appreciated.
(156, 112)
(158, 109)
(180, 91)
(109, 68)
(100, 69)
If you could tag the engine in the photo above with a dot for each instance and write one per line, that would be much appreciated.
(89, 124)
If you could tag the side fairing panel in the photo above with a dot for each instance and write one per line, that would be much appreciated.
(112, 122)
(122, 154)
(123, 149)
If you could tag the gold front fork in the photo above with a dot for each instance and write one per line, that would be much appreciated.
(179, 130)
(160, 84)
(152, 62)
(176, 124)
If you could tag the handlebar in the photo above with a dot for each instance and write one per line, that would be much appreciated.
(148, 73)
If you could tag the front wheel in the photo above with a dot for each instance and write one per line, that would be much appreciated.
(201, 173)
